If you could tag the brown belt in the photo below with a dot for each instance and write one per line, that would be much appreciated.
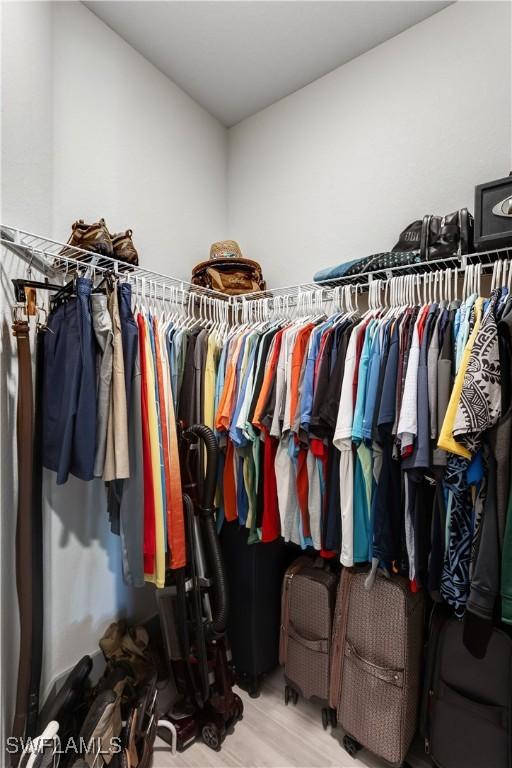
(24, 425)
(37, 543)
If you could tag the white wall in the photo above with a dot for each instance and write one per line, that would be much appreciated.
(90, 129)
(130, 146)
(336, 170)
(26, 196)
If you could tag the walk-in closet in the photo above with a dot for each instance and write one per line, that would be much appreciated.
(256, 384)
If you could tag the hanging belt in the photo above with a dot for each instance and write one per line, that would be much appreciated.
(37, 544)
(24, 419)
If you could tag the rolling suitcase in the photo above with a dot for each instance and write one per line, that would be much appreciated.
(376, 668)
(468, 713)
(307, 608)
(255, 574)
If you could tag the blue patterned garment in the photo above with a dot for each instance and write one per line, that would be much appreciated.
(478, 410)
(455, 580)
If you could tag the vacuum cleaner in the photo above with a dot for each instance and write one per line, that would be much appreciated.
(193, 609)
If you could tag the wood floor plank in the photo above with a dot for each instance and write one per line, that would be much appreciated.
(273, 735)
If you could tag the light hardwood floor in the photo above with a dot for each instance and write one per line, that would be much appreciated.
(272, 735)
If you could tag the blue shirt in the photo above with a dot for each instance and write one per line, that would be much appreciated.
(357, 424)
(306, 404)
(373, 383)
(236, 434)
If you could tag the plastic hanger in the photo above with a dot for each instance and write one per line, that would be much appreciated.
(493, 279)
(509, 279)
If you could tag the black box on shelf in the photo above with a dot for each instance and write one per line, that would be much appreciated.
(493, 214)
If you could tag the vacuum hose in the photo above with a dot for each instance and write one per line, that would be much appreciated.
(220, 584)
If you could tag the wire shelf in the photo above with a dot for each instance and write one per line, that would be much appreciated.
(59, 260)
(364, 279)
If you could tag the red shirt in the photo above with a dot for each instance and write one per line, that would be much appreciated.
(149, 491)
(271, 522)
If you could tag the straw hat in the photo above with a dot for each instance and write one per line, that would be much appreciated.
(225, 249)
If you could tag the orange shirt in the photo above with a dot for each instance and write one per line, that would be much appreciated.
(298, 352)
(226, 404)
(270, 372)
(173, 491)
(222, 421)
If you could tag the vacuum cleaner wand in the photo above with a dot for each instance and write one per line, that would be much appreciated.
(206, 510)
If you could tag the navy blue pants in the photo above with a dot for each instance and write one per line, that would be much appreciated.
(129, 335)
(69, 388)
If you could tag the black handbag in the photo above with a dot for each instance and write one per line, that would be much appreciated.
(427, 239)
(443, 236)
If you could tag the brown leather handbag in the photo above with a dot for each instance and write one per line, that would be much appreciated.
(227, 271)
(232, 276)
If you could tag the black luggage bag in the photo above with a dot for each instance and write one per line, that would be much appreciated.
(255, 575)
(467, 716)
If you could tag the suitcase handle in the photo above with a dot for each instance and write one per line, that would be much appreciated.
(292, 570)
(388, 675)
(320, 646)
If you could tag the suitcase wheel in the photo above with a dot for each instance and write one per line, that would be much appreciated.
(238, 708)
(333, 717)
(290, 695)
(325, 718)
(212, 736)
(351, 745)
(254, 689)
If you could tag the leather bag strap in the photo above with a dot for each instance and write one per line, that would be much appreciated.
(424, 242)
(387, 675)
(319, 646)
(464, 228)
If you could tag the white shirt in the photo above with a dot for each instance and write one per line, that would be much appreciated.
(408, 421)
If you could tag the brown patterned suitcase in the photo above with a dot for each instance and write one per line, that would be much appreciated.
(376, 664)
(307, 608)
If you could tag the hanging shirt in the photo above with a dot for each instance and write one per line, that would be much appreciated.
(479, 406)
(357, 424)
(148, 373)
(343, 442)
(446, 438)
(432, 369)
(174, 496)
(149, 491)
(373, 381)
(408, 422)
